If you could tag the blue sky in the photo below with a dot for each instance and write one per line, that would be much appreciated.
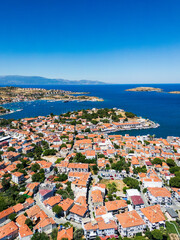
(118, 41)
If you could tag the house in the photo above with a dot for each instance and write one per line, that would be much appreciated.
(18, 208)
(159, 196)
(25, 233)
(20, 220)
(130, 223)
(153, 216)
(97, 198)
(137, 202)
(44, 223)
(4, 215)
(46, 190)
(117, 206)
(33, 187)
(65, 234)
(52, 201)
(99, 211)
(171, 214)
(176, 193)
(104, 227)
(17, 177)
(78, 167)
(66, 205)
(9, 231)
(77, 213)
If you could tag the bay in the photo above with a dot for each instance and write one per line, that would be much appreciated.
(161, 107)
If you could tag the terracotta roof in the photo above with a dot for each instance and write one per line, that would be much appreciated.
(115, 205)
(65, 233)
(100, 211)
(53, 200)
(66, 204)
(25, 231)
(130, 219)
(153, 213)
(20, 220)
(159, 192)
(8, 229)
(6, 212)
(78, 210)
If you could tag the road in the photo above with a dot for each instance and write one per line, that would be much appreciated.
(50, 214)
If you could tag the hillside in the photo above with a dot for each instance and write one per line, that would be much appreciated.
(36, 80)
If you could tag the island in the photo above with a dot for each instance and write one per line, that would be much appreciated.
(175, 92)
(18, 94)
(144, 89)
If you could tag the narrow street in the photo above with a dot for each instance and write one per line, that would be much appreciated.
(61, 220)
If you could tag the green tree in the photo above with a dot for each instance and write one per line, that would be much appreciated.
(40, 236)
(11, 149)
(78, 233)
(12, 216)
(54, 234)
(35, 167)
(175, 182)
(157, 161)
(170, 162)
(29, 223)
(58, 210)
(157, 234)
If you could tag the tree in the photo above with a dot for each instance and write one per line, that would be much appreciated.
(48, 152)
(130, 115)
(58, 210)
(78, 233)
(5, 183)
(35, 167)
(29, 223)
(54, 234)
(170, 162)
(38, 177)
(131, 182)
(175, 182)
(40, 236)
(12, 216)
(11, 149)
(97, 238)
(157, 161)
(157, 234)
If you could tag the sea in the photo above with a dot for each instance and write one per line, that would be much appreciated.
(160, 107)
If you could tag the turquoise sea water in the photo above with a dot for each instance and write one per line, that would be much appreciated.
(163, 108)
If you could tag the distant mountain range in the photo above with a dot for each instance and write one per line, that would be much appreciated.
(11, 80)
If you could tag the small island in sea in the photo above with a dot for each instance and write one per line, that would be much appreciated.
(18, 94)
(144, 89)
(175, 92)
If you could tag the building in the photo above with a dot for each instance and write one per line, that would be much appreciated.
(104, 227)
(153, 216)
(159, 196)
(25, 233)
(130, 223)
(77, 213)
(9, 231)
(4, 215)
(65, 234)
(17, 177)
(117, 206)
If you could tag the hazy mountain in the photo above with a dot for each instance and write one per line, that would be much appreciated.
(35, 80)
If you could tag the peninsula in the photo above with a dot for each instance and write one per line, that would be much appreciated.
(17, 94)
(144, 89)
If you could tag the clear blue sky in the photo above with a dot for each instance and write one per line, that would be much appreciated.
(119, 41)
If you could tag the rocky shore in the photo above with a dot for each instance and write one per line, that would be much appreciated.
(144, 89)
